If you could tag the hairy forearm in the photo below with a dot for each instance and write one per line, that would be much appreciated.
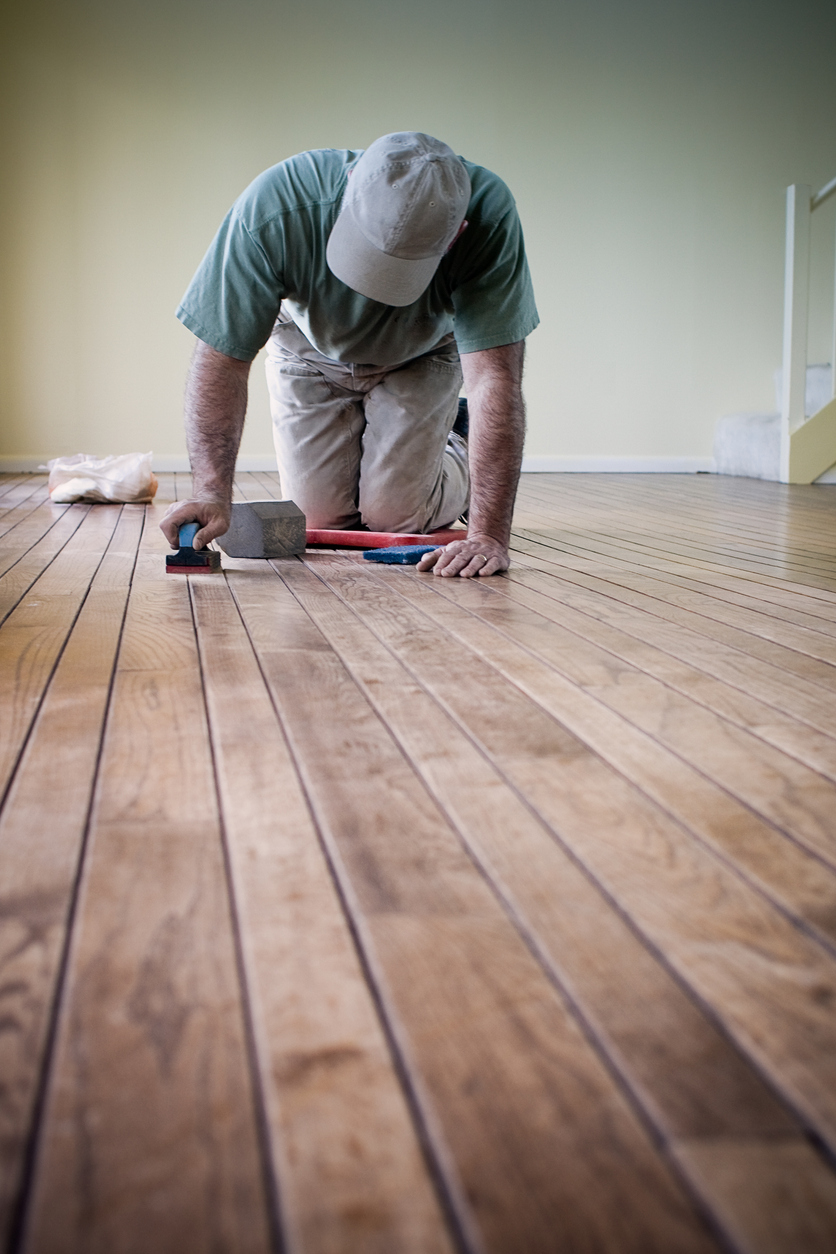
(497, 431)
(216, 403)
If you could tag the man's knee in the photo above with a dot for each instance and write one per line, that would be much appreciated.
(390, 519)
(417, 502)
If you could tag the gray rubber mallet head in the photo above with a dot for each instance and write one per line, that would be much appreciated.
(264, 529)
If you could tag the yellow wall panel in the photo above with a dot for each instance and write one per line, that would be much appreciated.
(648, 145)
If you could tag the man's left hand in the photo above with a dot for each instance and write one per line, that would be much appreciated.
(477, 555)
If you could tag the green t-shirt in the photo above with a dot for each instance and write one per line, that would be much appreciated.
(271, 248)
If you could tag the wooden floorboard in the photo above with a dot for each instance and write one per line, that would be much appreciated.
(706, 563)
(42, 829)
(731, 620)
(616, 532)
(344, 1149)
(773, 678)
(36, 628)
(148, 1116)
(347, 910)
(461, 990)
(725, 530)
(15, 506)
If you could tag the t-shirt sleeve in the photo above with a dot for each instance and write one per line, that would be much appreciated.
(493, 297)
(233, 300)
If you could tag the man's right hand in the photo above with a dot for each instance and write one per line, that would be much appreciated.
(213, 516)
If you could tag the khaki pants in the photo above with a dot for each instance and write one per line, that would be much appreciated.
(364, 445)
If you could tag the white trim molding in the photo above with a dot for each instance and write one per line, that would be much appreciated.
(618, 465)
(168, 462)
(21, 465)
(163, 463)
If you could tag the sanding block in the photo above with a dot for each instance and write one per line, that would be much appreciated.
(400, 554)
(188, 560)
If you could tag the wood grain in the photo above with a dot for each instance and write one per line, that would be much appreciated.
(34, 633)
(703, 918)
(760, 618)
(29, 549)
(17, 489)
(647, 512)
(689, 1079)
(523, 1116)
(351, 1173)
(661, 521)
(793, 647)
(790, 713)
(269, 483)
(149, 1136)
(8, 482)
(182, 485)
(15, 509)
(791, 875)
(783, 790)
(166, 488)
(42, 826)
(353, 909)
(774, 1197)
(794, 594)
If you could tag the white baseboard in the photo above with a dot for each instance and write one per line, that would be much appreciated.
(618, 465)
(164, 463)
(168, 462)
(21, 465)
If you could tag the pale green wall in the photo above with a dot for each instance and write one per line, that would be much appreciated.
(648, 145)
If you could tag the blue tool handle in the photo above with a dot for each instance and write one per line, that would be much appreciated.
(188, 531)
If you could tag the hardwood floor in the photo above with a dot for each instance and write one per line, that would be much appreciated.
(346, 910)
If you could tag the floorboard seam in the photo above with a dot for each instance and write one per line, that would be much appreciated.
(17, 1227)
(431, 1142)
(821, 939)
(269, 1174)
(658, 1135)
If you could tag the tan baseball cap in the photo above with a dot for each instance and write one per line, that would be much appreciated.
(404, 203)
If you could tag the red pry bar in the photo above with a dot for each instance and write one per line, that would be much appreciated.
(380, 539)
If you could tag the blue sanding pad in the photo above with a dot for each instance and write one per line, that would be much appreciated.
(400, 554)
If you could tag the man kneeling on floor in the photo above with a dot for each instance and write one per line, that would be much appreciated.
(378, 280)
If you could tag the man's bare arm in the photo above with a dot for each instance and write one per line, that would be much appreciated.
(216, 403)
(493, 379)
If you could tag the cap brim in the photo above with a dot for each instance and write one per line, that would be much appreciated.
(372, 273)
